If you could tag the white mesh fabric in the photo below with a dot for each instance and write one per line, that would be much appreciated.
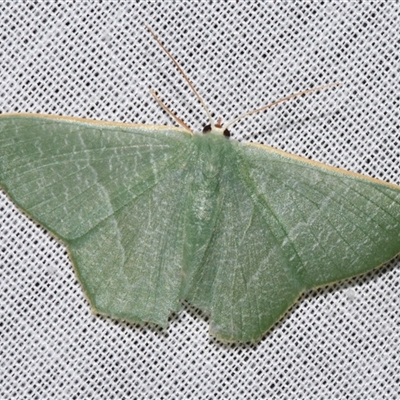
(97, 61)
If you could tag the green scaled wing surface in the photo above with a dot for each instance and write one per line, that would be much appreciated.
(152, 216)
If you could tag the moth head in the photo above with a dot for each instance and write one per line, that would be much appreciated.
(218, 128)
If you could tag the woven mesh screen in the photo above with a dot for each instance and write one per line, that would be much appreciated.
(96, 60)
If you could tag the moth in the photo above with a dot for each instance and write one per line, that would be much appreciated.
(154, 215)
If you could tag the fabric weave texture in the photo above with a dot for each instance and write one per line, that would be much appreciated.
(96, 60)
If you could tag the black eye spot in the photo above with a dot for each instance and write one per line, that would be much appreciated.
(227, 133)
(207, 128)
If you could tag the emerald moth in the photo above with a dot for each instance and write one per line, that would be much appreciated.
(153, 216)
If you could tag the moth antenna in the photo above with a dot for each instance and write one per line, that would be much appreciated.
(178, 120)
(185, 77)
(274, 103)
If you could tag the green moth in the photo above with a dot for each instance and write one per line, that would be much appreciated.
(154, 215)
